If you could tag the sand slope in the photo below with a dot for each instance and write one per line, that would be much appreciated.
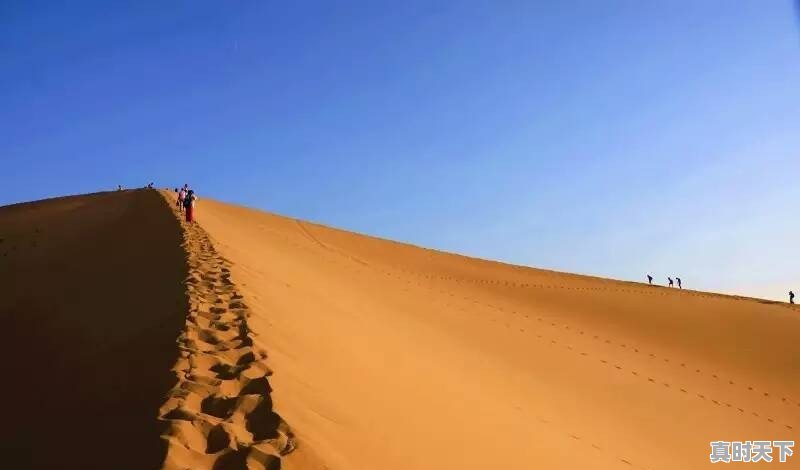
(219, 415)
(91, 301)
(388, 356)
(132, 340)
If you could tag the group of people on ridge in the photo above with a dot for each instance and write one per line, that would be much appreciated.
(669, 280)
(185, 202)
(672, 284)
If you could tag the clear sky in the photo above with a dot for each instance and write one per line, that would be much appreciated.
(612, 138)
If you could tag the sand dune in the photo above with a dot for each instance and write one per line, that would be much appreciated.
(91, 303)
(391, 356)
(127, 325)
(219, 415)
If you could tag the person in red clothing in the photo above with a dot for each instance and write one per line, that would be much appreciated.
(188, 205)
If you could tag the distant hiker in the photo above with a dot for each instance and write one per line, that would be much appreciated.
(119, 187)
(188, 205)
(791, 297)
(679, 282)
(670, 281)
(650, 279)
(181, 198)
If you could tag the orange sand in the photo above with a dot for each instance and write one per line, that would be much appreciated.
(389, 356)
(385, 355)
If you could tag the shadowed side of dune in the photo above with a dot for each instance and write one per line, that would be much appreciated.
(92, 303)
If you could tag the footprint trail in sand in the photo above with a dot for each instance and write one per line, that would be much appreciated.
(219, 415)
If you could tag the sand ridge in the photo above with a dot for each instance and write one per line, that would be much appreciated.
(145, 353)
(493, 365)
(91, 303)
(220, 413)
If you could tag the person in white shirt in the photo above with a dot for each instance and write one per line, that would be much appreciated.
(181, 197)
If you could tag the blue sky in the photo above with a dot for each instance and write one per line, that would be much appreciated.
(609, 138)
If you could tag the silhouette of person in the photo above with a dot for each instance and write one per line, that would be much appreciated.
(791, 297)
(649, 279)
(679, 283)
(670, 281)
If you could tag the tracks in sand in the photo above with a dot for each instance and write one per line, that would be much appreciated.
(219, 415)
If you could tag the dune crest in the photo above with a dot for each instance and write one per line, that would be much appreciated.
(219, 414)
(132, 347)
(393, 356)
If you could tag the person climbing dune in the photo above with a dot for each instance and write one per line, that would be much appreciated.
(649, 279)
(181, 197)
(791, 297)
(188, 205)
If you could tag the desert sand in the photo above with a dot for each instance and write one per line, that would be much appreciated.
(91, 302)
(252, 340)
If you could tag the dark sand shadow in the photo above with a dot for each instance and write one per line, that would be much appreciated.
(92, 303)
